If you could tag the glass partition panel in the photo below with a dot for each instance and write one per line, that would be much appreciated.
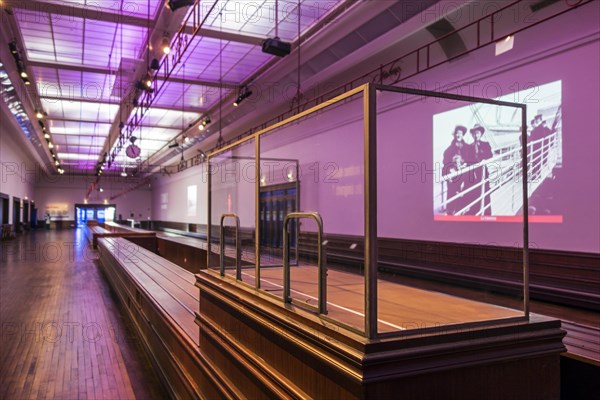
(233, 211)
(450, 211)
(311, 202)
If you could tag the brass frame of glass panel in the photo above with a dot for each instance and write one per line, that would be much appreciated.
(370, 202)
(322, 268)
(238, 249)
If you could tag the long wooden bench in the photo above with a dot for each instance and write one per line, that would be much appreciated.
(160, 299)
(142, 237)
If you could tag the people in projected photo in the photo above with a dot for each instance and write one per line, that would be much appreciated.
(539, 131)
(455, 159)
(481, 151)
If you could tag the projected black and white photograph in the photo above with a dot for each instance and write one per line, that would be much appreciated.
(477, 151)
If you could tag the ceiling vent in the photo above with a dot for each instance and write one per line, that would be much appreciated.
(452, 45)
(542, 4)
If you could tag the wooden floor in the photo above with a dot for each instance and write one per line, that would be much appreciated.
(400, 307)
(62, 336)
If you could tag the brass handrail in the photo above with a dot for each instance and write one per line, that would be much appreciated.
(322, 307)
(238, 255)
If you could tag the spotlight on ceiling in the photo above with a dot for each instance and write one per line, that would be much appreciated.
(124, 173)
(46, 135)
(166, 48)
(24, 74)
(144, 86)
(173, 145)
(276, 47)
(244, 94)
(204, 122)
(155, 64)
(40, 114)
(13, 47)
(177, 4)
(26, 81)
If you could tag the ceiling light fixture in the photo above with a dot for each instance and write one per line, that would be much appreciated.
(204, 122)
(24, 74)
(144, 86)
(244, 94)
(177, 4)
(166, 48)
(155, 64)
(39, 115)
(46, 135)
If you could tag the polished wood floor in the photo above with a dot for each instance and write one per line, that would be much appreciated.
(62, 334)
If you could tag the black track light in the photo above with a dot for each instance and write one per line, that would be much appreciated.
(144, 86)
(177, 4)
(165, 45)
(13, 47)
(204, 122)
(155, 64)
(244, 94)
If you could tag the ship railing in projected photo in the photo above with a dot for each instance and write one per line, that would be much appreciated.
(493, 186)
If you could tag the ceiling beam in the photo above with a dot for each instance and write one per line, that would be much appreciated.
(230, 36)
(93, 101)
(99, 122)
(106, 71)
(91, 11)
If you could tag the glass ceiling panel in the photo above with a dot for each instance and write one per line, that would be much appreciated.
(257, 18)
(74, 85)
(131, 8)
(78, 128)
(79, 110)
(196, 96)
(237, 62)
(72, 40)
(77, 156)
(159, 133)
(171, 118)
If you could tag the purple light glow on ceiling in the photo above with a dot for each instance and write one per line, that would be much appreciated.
(258, 18)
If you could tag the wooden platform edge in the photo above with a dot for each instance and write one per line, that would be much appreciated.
(185, 372)
(256, 340)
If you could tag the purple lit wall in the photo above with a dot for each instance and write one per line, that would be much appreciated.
(18, 172)
(572, 58)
